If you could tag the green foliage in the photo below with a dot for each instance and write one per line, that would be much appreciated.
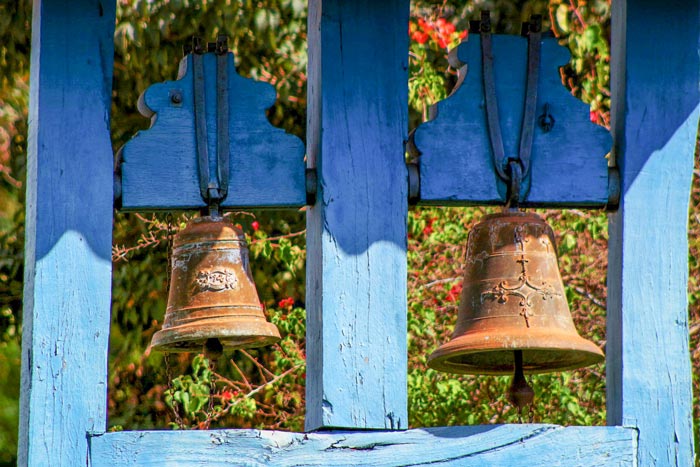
(191, 392)
(585, 28)
(268, 39)
(9, 398)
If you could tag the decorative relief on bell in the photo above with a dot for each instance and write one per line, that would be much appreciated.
(215, 281)
(523, 289)
(519, 240)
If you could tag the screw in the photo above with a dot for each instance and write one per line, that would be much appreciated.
(546, 121)
(176, 97)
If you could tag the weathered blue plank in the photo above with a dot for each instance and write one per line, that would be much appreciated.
(655, 70)
(568, 168)
(159, 169)
(356, 231)
(483, 446)
(68, 232)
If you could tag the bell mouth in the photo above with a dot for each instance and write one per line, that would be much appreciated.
(491, 353)
(234, 334)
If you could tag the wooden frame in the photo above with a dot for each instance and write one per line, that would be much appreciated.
(358, 115)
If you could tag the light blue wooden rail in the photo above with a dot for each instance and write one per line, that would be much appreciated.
(356, 256)
(466, 446)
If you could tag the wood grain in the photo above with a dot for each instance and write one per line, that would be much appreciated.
(655, 118)
(356, 231)
(68, 232)
(482, 446)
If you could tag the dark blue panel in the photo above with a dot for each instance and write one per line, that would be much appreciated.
(568, 165)
(159, 169)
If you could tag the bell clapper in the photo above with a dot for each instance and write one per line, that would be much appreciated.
(520, 393)
(213, 349)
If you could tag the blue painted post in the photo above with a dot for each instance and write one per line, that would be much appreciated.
(655, 73)
(68, 232)
(356, 237)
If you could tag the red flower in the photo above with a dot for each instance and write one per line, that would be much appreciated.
(429, 228)
(420, 37)
(448, 29)
(594, 116)
(424, 25)
(255, 225)
(286, 303)
(226, 396)
(454, 292)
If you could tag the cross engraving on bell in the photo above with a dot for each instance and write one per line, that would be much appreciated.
(524, 289)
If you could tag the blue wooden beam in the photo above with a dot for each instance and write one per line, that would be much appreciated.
(159, 168)
(568, 164)
(482, 446)
(68, 232)
(656, 73)
(356, 231)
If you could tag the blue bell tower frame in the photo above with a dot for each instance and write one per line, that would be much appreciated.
(356, 135)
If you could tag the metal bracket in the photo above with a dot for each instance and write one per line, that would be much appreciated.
(213, 187)
(503, 164)
(614, 189)
(413, 183)
(311, 186)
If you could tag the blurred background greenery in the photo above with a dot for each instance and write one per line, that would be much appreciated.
(265, 388)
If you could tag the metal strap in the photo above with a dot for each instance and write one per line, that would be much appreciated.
(492, 119)
(527, 128)
(222, 136)
(505, 166)
(213, 189)
(200, 125)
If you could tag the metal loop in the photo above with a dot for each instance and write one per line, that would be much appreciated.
(515, 175)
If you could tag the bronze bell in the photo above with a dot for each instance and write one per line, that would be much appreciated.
(513, 307)
(212, 295)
